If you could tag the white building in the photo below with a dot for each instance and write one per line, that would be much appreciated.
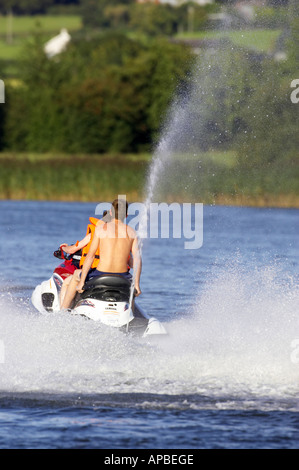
(57, 44)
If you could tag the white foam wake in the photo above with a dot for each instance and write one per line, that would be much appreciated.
(236, 344)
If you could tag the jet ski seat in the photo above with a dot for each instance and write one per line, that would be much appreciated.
(111, 288)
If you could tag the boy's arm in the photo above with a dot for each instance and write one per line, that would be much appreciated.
(71, 249)
(137, 265)
(88, 261)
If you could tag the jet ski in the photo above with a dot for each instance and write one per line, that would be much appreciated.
(107, 299)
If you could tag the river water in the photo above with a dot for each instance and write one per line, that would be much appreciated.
(226, 376)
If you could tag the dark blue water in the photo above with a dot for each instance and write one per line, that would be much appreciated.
(225, 377)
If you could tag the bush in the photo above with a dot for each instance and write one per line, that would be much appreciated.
(109, 94)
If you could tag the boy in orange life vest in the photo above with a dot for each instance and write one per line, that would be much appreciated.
(84, 244)
(71, 249)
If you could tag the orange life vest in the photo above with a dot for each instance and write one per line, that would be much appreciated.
(90, 230)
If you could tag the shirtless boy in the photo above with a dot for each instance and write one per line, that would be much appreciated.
(116, 241)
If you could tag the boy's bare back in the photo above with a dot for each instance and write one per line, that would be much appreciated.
(116, 241)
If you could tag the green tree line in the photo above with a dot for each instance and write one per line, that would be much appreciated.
(147, 18)
(150, 18)
(112, 93)
(41, 6)
(31, 7)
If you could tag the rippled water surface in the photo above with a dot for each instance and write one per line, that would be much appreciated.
(225, 376)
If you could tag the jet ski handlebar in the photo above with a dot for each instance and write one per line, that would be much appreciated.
(60, 254)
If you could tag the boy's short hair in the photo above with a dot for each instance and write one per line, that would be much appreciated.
(119, 209)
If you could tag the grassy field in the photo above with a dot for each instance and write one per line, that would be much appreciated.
(261, 40)
(211, 178)
(22, 27)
